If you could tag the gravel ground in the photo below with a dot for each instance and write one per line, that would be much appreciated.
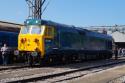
(102, 76)
(118, 80)
(12, 75)
(7, 76)
(76, 76)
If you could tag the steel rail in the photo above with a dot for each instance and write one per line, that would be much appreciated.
(65, 73)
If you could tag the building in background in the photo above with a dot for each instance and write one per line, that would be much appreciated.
(117, 32)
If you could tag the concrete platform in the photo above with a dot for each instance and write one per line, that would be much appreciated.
(103, 76)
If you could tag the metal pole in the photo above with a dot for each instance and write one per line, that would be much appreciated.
(35, 8)
(38, 9)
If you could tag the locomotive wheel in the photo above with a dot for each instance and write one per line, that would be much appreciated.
(50, 60)
(30, 60)
(42, 62)
(64, 60)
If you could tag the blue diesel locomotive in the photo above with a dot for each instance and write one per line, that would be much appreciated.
(46, 41)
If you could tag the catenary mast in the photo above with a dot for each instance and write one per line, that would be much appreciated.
(35, 8)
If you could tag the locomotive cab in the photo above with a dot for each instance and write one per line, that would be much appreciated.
(31, 40)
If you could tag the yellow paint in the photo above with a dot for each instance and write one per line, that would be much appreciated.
(30, 45)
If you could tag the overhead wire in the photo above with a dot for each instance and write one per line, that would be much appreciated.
(46, 6)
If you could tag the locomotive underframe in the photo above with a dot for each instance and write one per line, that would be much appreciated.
(66, 56)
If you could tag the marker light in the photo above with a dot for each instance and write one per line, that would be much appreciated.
(27, 22)
(36, 21)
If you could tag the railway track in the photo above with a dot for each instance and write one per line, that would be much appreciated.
(14, 66)
(66, 73)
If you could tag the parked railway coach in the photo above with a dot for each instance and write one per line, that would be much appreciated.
(11, 39)
(46, 41)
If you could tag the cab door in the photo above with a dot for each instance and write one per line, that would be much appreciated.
(49, 39)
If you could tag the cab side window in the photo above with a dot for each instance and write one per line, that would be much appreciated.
(49, 31)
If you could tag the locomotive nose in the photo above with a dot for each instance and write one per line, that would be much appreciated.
(30, 43)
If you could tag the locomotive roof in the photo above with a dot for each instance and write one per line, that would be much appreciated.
(51, 23)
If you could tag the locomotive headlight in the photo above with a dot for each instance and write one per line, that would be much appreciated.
(16, 52)
(34, 54)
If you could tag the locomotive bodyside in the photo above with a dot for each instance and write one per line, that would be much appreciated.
(75, 42)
